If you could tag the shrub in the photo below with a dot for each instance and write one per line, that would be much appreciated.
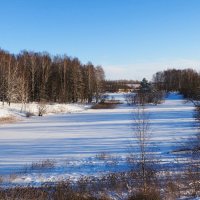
(42, 108)
(1, 179)
(150, 195)
(62, 191)
(29, 114)
(44, 164)
(104, 106)
(102, 156)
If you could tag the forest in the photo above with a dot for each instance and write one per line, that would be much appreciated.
(31, 76)
(186, 81)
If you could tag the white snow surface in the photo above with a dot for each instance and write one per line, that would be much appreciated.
(19, 110)
(76, 139)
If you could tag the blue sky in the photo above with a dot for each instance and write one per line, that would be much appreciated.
(131, 39)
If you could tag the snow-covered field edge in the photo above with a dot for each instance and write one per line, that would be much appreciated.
(18, 111)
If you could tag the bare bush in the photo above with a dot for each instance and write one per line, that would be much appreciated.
(154, 97)
(192, 175)
(130, 98)
(61, 191)
(108, 159)
(19, 193)
(104, 106)
(144, 170)
(151, 195)
(42, 108)
(1, 179)
(29, 114)
(102, 156)
(44, 164)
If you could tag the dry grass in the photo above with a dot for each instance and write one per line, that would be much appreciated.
(1, 179)
(62, 191)
(43, 164)
(107, 187)
(104, 106)
(150, 195)
(7, 120)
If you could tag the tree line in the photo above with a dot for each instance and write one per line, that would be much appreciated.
(116, 85)
(146, 93)
(186, 81)
(32, 76)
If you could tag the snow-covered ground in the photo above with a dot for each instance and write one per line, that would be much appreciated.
(88, 142)
(19, 111)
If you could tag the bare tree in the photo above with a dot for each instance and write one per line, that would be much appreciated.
(31, 76)
(22, 91)
(33, 71)
(144, 163)
(12, 84)
(46, 70)
(130, 98)
(3, 82)
(100, 76)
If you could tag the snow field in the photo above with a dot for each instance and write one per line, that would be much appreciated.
(75, 140)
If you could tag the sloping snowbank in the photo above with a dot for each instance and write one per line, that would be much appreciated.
(4, 113)
(18, 111)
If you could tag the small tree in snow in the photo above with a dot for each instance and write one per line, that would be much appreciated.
(143, 162)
